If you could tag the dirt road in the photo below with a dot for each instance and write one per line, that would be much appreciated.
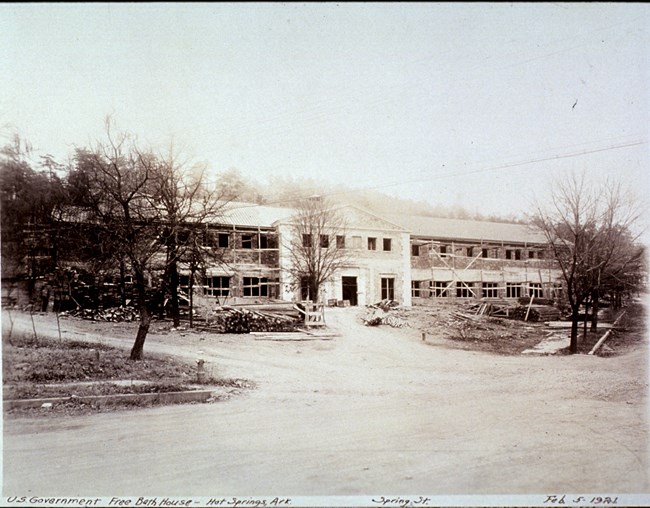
(374, 411)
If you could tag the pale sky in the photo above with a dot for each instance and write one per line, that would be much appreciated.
(458, 104)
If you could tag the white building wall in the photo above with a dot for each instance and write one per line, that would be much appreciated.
(368, 266)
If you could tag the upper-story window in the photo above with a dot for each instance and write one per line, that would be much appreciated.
(324, 241)
(306, 240)
(372, 243)
(388, 244)
(415, 250)
(485, 253)
(443, 251)
(340, 241)
(246, 241)
(268, 241)
(470, 252)
(208, 239)
(513, 254)
(223, 240)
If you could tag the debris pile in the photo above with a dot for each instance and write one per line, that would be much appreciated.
(240, 320)
(114, 314)
(473, 312)
(386, 312)
(385, 305)
(533, 313)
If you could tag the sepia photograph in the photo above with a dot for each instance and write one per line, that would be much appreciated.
(362, 254)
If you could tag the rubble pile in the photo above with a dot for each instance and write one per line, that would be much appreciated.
(533, 313)
(386, 312)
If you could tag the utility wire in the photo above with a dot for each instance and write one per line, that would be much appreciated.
(464, 173)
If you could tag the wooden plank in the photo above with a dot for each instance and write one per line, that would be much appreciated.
(606, 335)
(295, 337)
(567, 324)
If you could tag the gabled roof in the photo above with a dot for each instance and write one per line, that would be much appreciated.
(468, 230)
(252, 215)
(358, 218)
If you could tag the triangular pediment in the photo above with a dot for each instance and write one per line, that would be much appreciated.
(358, 218)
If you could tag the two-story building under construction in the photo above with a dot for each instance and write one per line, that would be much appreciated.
(411, 259)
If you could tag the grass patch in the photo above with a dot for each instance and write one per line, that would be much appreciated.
(42, 360)
(48, 368)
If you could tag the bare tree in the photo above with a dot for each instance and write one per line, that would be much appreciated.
(183, 203)
(120, 181)
(588, 231)
(315, 247)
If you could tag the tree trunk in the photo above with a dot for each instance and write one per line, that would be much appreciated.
(313, 289)
(137, 352)
(191, 296)
(122, 283)
(173, 290)
(575, 316)
(594, 311)
(159, 306)
(584, 324)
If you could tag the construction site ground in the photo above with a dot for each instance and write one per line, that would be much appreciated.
(374, 410)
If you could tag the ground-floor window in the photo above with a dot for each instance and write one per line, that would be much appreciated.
(256, 286)
(555, 291)
(535, 289)
(440, 289)
(490, 290)
(513, 290)
(416, 291)
(464, 289)
(216, 286)
(387, 288)
(184, 283)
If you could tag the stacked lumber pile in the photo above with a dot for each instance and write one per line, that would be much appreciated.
(114, 314)
(283, 308)
(241, 320)
(536, 313)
